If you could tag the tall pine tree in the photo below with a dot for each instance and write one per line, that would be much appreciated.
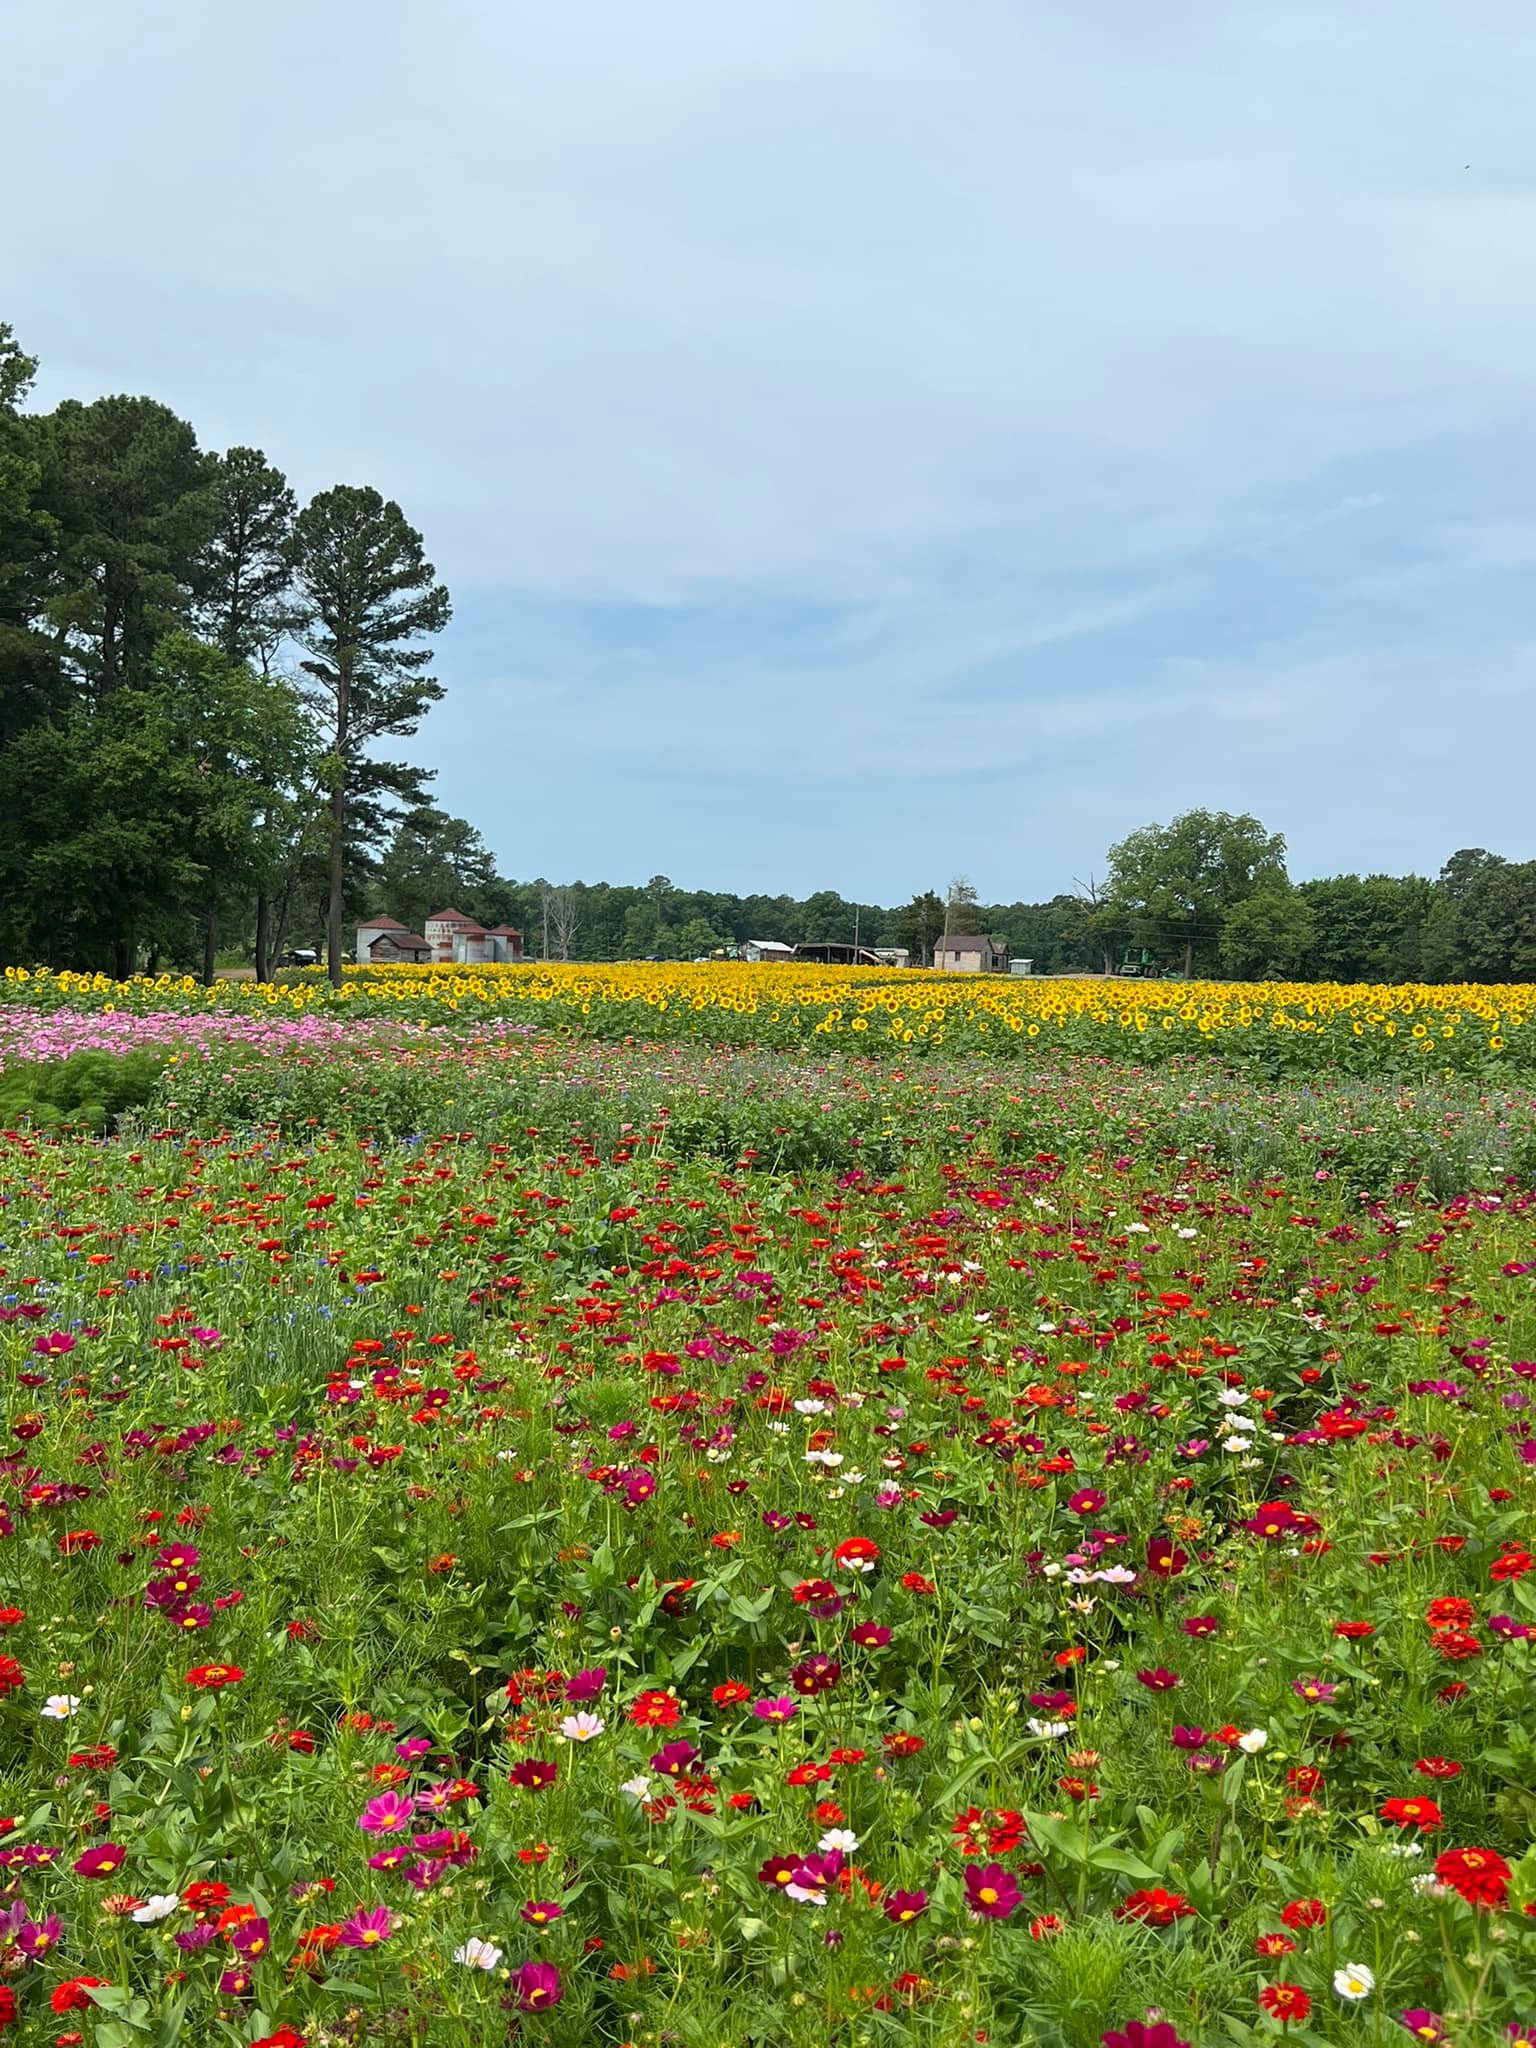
(369, 598)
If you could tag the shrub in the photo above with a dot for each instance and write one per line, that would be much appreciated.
(89, 1091)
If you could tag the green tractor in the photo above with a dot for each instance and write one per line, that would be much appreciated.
(1138, 961)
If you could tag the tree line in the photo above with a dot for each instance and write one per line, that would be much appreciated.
(1207, 894)
(195, 672)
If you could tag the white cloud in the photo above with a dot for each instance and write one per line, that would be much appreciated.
(1024, 347)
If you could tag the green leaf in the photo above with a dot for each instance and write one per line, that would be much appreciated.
(1060, 1835)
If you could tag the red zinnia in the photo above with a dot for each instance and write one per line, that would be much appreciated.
(71, 1995)
(1412, 1813)
(1449, 1612)
(1155, 1908)
(654, 1709)
(1285, 2002)
(1305, 1913)
(214, 1677)
(1480, 1875)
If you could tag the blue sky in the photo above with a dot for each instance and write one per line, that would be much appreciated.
(866, 440)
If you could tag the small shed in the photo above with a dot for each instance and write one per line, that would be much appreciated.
(766, 951)
(970, 953)
(831, 953)
(384, 942)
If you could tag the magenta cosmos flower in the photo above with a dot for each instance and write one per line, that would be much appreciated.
(1137, 2034)
(902, 1908)
(991, 1893)
(537, 1986)
(1317, 1692)
(106, 1861)
(368, 1927)
(389, 1814)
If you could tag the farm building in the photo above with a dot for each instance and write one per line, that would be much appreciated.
(449, 936)
(833, 953)
(453, 936)
(771, 951)
(970, 953)
(384, 940)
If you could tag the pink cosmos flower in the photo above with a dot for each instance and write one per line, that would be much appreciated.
(388, 1814)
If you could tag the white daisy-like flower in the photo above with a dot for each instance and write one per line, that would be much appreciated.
(158, 1906)
(1251, 1743)
(1354, 1982)
(1048, 1731)
(478, 1953)
(839, 1838)
(637, 1788)
(582, 1727)
(59, 1706)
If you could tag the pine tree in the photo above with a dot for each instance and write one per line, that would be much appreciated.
(368, 596)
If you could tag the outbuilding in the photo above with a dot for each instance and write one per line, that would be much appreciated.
(970, 953)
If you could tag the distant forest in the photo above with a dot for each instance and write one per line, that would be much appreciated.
(1207, 894)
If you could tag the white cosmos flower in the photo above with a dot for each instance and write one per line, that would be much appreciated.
(637, 1788)
(1251, 1743)
(839, 1838)
(1050, 1731)
(478, 1953)
(156, 1907)
(809, 1407)
(582, 1727)
(1354, 1981)
(805, 1896)
(59, 1706)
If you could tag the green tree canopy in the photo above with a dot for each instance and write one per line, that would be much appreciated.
(131, 494)
(432, 861)
(1177, 882)
(369, 598)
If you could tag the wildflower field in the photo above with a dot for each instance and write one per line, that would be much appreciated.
(1286, 1026)
(607, 1506)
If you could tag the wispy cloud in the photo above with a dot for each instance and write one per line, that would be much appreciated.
(896, 393)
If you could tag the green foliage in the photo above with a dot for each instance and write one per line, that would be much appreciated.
(369, 597)
(1178, 882)
(1268, 935)
(433, 862)
(245, 583)
(131, 492)
(89, 1091)
(123, 815)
